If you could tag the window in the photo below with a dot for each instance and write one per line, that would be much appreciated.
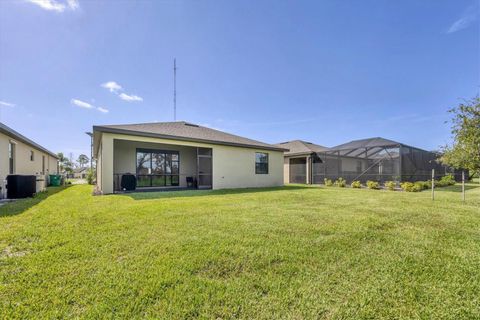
(11, 158)
(43, 164)
(32, 155)
(261, 163)
(157, 168)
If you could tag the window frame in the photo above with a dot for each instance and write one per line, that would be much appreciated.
(11, 157)
(173, 178)
(257, 163)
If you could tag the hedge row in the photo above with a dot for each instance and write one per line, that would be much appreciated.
(417, 186)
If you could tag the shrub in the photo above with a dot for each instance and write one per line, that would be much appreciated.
(328, 182)
(390, 185)
(448, 180)
(439, 184)
(445, 181)
(421, 185)
(340, 182)
(417, 187)
(90, 177)
(412, 187)
(428, 183)
(373, 185)
(356, 184)
(407, 186)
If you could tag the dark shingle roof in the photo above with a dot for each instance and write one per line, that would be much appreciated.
(15, 135)
(298, 147)
(182, 130)
(366, 143)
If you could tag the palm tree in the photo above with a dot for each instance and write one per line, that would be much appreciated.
(82, 160)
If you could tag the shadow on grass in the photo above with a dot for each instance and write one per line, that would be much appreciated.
(21, 205)
(145, 195)
(458, 187)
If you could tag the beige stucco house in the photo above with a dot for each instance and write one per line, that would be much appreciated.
(20, 155)
(80, 173)
(299, 160)
(173, 154)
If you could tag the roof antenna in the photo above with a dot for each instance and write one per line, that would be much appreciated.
(174, 89)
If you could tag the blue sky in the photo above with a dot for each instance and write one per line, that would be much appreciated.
(322, 71)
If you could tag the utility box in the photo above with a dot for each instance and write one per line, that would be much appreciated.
(20, 186)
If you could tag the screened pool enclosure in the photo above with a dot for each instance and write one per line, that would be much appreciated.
(375, 159)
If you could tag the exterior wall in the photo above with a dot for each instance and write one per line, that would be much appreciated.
(23, 164)
(286, 170)
(233, 167)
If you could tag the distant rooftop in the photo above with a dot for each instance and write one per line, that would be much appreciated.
(181, 130)
(366, 143)
(298, 147)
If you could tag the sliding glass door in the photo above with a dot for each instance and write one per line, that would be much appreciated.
(157, 168)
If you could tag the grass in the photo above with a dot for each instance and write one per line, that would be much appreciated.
(292, 252)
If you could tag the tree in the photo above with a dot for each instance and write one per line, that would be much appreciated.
(82, 160)
(465, 149)
(64, 163)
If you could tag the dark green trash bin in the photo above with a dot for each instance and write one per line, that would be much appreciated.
(55, 180)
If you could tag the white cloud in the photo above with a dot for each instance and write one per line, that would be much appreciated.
(81, 104)
(73, 4)
(55, 5)
(112, 86)
(127, 97)
(86, 105)
(468, 17)
(6, 104)
(116, 88)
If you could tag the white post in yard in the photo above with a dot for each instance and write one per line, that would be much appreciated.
(433, 184)
(463, 186)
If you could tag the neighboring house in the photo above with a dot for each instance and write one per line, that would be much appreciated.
(20, 155)
(172, 154)
(79, 173)
(299, 160)
(376, 159)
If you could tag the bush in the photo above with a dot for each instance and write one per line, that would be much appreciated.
(441, 184)
(412, 187)
(356, 184)
(407, 186)
(428, 183)
(448, 180)
(90, 176)
(340, 182)
(390, 185)
(328, 182)
(373, 185)
(422, 185)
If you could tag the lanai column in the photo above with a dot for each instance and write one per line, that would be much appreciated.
(309, 170)
(107, 163)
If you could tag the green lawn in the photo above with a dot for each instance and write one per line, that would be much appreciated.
(293, 252)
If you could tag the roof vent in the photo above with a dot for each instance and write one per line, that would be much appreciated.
(191, 124)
